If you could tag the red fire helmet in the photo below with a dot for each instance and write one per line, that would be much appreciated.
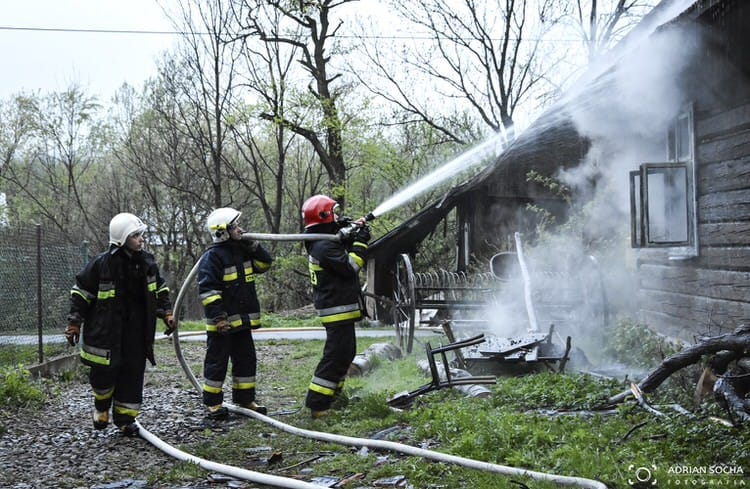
(318, 209)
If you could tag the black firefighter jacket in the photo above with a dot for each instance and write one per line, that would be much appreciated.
(334, 273)
(226, 283)
(103, 299)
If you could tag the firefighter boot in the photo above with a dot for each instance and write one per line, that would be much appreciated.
(319, 414)
(253, 406)
(130, 430)
(217, 412)
(101, 419)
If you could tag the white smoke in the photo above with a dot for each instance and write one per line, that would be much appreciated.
(626, 121)
(625, 114)
(627, 117)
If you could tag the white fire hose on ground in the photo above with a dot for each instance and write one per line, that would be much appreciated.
(328, 437)
(236, 472)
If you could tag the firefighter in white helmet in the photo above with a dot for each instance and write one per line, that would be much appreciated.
(117, 298)
(226, 283)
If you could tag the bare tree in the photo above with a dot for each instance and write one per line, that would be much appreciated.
(601, 23)
(306, 27)
(15, 126)
(64, 159)
(489, 56)
(267, 77)
(202, 75)
(153, 151)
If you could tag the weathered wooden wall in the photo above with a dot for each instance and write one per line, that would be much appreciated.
(709, 294)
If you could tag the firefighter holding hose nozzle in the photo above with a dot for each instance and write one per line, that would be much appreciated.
(334, 267)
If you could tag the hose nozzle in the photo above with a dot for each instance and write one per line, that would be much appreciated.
(369, 217)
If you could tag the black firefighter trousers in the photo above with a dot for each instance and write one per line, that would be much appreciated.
(238, 346)
(338, 353)
(123, 384)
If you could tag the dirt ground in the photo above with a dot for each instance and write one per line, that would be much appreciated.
(57, 447)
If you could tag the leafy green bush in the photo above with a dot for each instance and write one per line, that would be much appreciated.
(18, 388)
(286, 285)
(634, 343)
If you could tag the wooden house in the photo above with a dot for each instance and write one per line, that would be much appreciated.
(689, 195)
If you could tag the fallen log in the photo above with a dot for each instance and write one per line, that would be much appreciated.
(470, 390)
(365, 361)
(727, 396)
(737, 342)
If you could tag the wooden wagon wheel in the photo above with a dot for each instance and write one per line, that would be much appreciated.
(404, 309)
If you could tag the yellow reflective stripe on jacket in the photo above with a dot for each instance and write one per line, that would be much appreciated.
(313, 267)
(235, 320)
(345, 316)
(230, 274)
(249, 276)
(99, 359)
(106, 291)
(83, 294)
(358, 261)
(340, 313)
(261, 266)
(210, 296)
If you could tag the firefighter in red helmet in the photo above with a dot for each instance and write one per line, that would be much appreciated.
(334, 267)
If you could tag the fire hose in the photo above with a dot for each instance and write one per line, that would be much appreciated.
(332, 438)
(340, 236)
(236, 472)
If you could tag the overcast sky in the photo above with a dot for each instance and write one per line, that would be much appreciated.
(100, 62)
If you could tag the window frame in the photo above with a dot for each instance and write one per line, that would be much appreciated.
(640, 226)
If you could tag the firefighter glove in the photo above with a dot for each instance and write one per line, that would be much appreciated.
(362, 234)
(252, 245)
(222, 326)
(170, 322)
(73, 333)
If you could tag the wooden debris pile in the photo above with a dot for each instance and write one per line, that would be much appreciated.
(728, 370)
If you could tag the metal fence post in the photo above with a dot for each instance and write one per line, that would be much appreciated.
(84, 253)
(39, 291)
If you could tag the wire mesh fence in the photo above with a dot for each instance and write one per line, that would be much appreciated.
(37, 270)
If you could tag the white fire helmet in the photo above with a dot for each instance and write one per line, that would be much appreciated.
(221, 221)
(123, 225)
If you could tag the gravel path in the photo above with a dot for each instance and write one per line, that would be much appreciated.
(57, 447)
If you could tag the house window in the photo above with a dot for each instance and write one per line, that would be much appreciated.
(662, 195)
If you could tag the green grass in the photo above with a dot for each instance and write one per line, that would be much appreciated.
(543, 422)
(18, 389)
(27, 355)
(269, 320)
(546, 422)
